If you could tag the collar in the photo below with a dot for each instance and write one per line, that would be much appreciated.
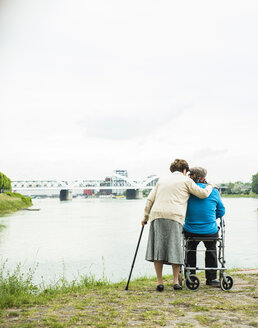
(177, 172)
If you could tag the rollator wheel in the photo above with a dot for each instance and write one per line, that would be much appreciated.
(194, 284)
(226, 284)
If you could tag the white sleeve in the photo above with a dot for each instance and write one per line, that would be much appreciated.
(198, 191)
(149, 203)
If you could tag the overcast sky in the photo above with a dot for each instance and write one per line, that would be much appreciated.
(87, 87)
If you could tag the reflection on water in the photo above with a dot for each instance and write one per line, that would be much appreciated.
(100, 235)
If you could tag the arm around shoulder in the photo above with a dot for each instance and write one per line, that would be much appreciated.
(198, 191)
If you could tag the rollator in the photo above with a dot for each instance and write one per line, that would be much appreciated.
(192, 282)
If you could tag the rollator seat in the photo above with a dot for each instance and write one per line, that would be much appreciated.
(202, 238)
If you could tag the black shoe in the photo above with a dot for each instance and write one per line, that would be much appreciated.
(177, 287)
(160, 288)
(213, 283)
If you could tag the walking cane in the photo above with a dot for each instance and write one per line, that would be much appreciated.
(126, 288)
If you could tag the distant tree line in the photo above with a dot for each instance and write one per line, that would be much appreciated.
(5, 183)
(255, 183)
(240, 187)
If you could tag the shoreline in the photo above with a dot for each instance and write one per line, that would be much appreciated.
(13, 202)
(238, 196)
(97, 303)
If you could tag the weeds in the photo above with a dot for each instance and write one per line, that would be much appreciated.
(17, 288)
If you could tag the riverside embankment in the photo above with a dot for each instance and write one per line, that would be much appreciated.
(12, 202)
(92, 303)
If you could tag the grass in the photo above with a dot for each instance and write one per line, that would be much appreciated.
(252, 195)
(99, 303)
(17, 288)
(12, 202)
(204, 319)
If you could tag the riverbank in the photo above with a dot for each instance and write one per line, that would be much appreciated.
(239, 195)
(100, 304)
(12, 202)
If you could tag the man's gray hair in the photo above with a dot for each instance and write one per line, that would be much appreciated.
(199, 171)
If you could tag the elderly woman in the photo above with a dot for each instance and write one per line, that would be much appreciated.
(166, 209)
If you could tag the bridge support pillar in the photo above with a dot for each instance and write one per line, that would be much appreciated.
(66, 194)
(133, 194)
(139, 194)
(130, 194)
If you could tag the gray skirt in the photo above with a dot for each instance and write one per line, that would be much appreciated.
(165, 242)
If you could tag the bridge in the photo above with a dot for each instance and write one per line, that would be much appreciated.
(115, 184)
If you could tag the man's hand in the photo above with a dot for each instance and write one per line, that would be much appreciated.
(143, 223)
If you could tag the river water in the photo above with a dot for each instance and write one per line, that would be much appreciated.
(99, 236)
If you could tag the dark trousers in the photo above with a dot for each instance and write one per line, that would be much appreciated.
(210, 254)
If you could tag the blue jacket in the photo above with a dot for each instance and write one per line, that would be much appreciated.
(201, 214)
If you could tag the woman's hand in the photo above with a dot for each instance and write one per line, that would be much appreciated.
(143, 223)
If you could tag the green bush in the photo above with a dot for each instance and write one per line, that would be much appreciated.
(5, 183)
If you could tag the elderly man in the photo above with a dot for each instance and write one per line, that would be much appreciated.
(200, 221)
